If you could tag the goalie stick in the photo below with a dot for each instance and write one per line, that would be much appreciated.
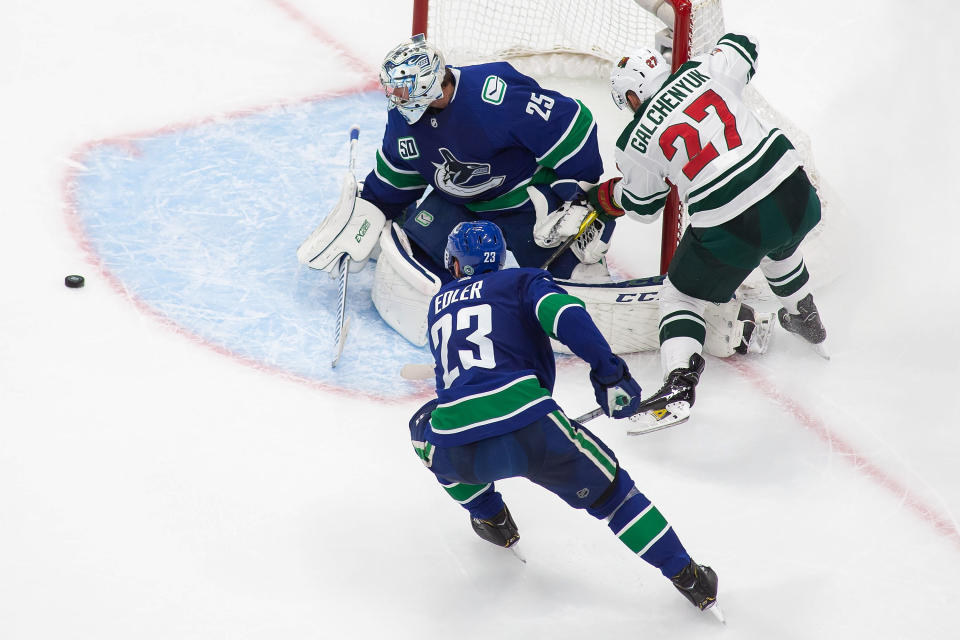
(340, 335)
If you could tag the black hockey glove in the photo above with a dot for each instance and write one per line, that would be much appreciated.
(617, 393)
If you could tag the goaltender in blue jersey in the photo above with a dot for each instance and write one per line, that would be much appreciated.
(491, 144)
(495, 417)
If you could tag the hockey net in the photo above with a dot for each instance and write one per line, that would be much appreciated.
(582, 38)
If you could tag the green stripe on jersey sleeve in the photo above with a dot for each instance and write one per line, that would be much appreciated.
(397, 178)
(550, 307)
(644, 206)
(743, 46)
(572, 139)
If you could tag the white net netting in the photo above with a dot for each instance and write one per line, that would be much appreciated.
(581, 38)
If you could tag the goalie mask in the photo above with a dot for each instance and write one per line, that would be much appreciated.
(642, 72)
(478, 247)
(411, 76)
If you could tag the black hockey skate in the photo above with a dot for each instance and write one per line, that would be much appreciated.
(671, 404)
(698, 584)
(805, 323)
(501, 530)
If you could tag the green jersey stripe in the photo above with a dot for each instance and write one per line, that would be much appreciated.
(424, 451)
(643, 209)
(516, 196)
(789, 276)
(586, 445)
(490, 406)
(735, 183)
(682, 314)
(644, 530)
(549, 308)
(741, 43)
(742, 46)
(785, 289)
(572, 139)
(647, 199)
(685, 327)
(746, 160)
(463, 493)
(397, 178)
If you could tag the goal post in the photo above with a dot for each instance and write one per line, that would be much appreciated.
(582, 38)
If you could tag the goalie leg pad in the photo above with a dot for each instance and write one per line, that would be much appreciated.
(625, 312)
(403, 287)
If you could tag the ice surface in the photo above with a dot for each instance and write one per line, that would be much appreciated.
(172, 467)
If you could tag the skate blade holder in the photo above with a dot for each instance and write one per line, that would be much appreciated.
(670, 416)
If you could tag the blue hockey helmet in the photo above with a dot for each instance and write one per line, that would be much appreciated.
(478, 247)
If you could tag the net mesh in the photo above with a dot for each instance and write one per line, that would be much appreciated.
(474, 31)
(580, 38)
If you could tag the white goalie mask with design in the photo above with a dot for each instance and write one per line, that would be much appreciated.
(642, 72)
(411, 76)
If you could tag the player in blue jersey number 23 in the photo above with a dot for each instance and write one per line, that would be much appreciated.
(494, 416)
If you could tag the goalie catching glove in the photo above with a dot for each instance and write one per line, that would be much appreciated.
(617, 393)
(552, 228)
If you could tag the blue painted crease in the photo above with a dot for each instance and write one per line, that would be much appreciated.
(203, 225)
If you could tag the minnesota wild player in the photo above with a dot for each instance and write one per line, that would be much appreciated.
(749, 200)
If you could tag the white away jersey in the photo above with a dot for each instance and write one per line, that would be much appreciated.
(697, 134)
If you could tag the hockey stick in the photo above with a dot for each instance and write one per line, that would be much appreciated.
(584, 225)
(589, 415)
(340, 335)
(671, 416)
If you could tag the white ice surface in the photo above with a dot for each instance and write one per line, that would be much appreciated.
(151, 487)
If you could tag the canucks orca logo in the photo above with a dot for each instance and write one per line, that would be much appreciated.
(454, 177)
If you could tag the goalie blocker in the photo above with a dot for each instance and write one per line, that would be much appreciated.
(352, 227)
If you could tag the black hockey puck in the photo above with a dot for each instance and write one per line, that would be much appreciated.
(74, 281)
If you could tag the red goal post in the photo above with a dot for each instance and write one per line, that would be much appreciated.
(583, 38)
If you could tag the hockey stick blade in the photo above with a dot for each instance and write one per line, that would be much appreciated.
(649, 421)
(416, 371)
(589, 415)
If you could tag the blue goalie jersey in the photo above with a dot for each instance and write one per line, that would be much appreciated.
(495, 369)
(500, 133)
